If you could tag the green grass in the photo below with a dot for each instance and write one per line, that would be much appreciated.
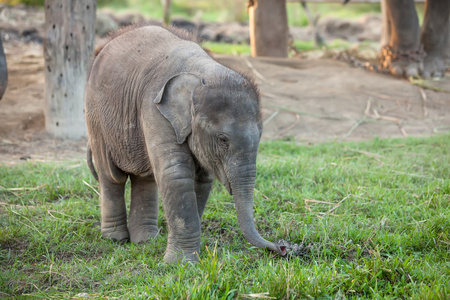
(381, 230)
(244, 49)
(224, 48)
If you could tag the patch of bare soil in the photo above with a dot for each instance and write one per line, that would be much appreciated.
(309, 100)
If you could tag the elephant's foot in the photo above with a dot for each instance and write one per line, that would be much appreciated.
(175, 254)
(116, 233)
(142, 234)
(181, 256)
(433, 66)
(402, 63)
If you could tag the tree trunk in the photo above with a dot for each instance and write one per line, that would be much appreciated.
(268, 28)
(68, 53)
(385, 25)
(166, 11)
(3, 70)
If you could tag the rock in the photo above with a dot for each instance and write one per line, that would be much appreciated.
(186, 25)
(105, 23)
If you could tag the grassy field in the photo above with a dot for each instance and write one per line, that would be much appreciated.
(372, 219)
(245, 49)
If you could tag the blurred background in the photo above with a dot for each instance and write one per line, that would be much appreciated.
(222, 25)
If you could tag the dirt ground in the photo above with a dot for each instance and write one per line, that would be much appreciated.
(309, 100)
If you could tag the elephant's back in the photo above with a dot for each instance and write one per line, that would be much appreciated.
(118, 83)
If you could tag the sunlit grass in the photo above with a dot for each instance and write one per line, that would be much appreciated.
(375, 216)
(244, 49)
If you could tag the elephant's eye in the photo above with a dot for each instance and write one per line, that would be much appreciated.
(223, 140)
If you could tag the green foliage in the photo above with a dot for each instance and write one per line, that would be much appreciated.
(375, 216)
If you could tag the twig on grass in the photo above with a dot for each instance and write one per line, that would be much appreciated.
(353, 128)
(402, 130)
(91, 187)
(23, 189)
(32, 228)
(441, 128)
(17, 205)
(293, 111)
(259, 296)
(361, 120)
(375, 156)
(368, 104)
(257, 74)
(297, 119)
(389, 98)
(50, 272)
(329, 211)
(267, 198)
(271, 117)
(377, 116)
(318, 201)
(424, 102)
(337, 205)
(63, 214)
(424, 84)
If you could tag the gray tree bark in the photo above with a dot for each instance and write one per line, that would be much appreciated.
(68, 53)
(3, 70)
(268, 28)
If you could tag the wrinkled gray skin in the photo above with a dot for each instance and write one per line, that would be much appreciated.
(403, 33)
(162, 112)
(3, 71)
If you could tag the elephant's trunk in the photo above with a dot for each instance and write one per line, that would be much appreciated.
(242, 190)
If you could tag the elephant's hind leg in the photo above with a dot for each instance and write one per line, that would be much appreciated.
(434, 37)
(402, 55)
(143, 209)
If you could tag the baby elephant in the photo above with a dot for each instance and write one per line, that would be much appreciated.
(162, 112)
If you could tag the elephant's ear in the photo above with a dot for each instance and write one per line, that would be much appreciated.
(174, 101)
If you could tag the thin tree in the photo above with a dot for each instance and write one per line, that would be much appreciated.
(68, 53)
(166, 11)
(268, 27)
(3, 70)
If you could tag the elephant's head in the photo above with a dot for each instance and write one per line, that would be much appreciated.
(221, 120)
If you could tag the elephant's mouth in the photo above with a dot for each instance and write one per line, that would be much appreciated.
(228, 187)
(223, 178)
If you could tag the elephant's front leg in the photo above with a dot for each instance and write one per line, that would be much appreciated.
(143, 209)
(435, 37)
(402, 56)
(177, 186)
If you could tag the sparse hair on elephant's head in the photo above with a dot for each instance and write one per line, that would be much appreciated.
(250, 89)
(181, 33)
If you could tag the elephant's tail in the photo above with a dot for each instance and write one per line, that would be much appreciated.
(90, 163)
